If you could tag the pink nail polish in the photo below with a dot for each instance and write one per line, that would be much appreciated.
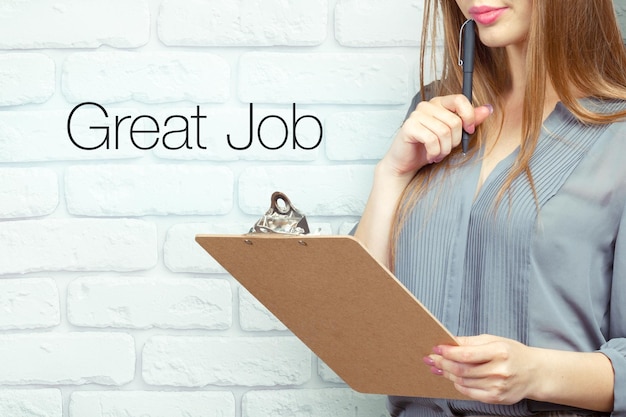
(429, 361)
(438, 350)
(436, 371)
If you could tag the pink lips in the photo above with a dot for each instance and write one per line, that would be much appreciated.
(486, 15)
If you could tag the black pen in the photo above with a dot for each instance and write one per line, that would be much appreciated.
(469, 45)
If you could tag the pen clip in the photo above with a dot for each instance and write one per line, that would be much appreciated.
(461, 42)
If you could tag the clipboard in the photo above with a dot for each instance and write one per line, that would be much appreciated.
(344, 305)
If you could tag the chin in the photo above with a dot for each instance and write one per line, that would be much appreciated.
(494, 41)
(498, 37)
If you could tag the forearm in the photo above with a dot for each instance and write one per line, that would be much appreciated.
(498, 370)
(376, 222)
(583, 380)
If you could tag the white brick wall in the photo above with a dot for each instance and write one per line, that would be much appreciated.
(366, 23)
(27, 192)
(31, 403)
(78, 244)
(200, 361)
(152, 404)
(107, 304)
(26, 78)
(74, 24)
(109, 77)
(363, 78)
(242, 23)
(29, 303)
(67, 358)
(141, 190)
(332, 402)
(140, 303)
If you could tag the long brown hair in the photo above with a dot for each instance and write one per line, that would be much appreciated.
(576, 44)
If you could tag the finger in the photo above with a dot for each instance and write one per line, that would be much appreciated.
(482, 339)
(481, 113)
(435, 133)
(463, 373)
(470, 354)
(443, 127)
(444, 123)
(455, 128)
(417, 131)
(470, 116)
(460, 105)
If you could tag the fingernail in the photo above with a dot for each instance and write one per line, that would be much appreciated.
(429, 361)
(438, 350)
(490, 107)
(470, 129)
(436, 371)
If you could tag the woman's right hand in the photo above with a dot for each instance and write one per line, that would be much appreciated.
(431, 132)
(427, 136)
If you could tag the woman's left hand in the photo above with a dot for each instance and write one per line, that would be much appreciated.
(487, 368)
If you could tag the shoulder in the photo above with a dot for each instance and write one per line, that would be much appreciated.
(604, 106)
(590, 114)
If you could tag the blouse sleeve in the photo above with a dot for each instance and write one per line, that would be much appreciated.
(615, 348)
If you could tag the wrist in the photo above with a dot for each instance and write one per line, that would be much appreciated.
(577, 379)
(387, 173)
(541, 383)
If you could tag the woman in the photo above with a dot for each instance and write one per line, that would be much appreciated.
(518, 247)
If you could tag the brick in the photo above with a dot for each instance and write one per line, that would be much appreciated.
(334, 78)
(233, 124)
(254, 317)
(201, 361)
(158, 77)
(364, 135)
(27, 192)
(67, 358)
(314, 190)
(31, 403)
(181, 252)
(243, 23)
(74, 24)
(139, 190)
(25, 78)
(151, 404)
(365, 23)
(29, 304)
(330, 402)
(77, 245)
(32, 136)
(142, 303)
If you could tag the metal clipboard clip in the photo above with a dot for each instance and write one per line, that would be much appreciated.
(282, 218)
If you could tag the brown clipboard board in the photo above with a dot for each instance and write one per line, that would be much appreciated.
(344, 305)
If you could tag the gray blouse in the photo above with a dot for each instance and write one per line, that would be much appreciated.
(553, 278)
